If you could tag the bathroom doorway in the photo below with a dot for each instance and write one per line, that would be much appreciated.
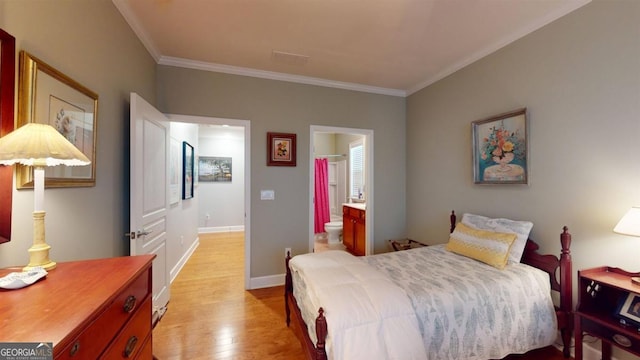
(332, 143)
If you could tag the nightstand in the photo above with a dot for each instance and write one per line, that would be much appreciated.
(405, 244)
(602, 293)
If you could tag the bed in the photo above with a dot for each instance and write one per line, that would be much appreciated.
(411, 304)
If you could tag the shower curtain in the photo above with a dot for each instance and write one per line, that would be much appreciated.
(322, 215)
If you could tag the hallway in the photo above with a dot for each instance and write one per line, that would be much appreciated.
(211, 316)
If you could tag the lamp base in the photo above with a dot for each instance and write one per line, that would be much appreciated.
(635, 280)
(39, 251)
(48, 266)
(39, 257)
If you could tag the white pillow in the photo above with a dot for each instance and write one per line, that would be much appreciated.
(520, 228)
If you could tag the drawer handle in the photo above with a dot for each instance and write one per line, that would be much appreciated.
(622, 340)
(74, 349)
(131, 345)
(129, 304)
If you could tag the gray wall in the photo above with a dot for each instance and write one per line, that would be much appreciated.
(89, 41)
(579, 77)
(182, 217)
(287, 107)
(222, 201)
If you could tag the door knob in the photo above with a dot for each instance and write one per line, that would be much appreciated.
(137, 234)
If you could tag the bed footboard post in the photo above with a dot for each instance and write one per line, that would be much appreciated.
(566, 291)
(288, 288)
(321, 334)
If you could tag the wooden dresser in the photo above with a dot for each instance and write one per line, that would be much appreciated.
(94, 309)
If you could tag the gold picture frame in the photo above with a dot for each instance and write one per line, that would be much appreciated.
(45, 95)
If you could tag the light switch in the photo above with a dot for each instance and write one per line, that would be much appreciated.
(267, 195)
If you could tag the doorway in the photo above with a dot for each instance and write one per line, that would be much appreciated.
(244, 172)
(367, 136)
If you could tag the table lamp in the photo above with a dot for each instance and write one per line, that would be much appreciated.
(39, 145)
(630, 225)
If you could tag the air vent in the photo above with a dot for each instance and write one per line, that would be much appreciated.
(288, 58)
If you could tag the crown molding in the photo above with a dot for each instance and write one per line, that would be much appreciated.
(134, 23)
(272, 75)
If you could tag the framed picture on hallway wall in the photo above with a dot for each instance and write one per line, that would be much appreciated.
(281, 149)
(187, 171)
(501, 149)
(215, 169)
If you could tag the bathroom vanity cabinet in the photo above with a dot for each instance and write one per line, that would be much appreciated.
(354, 230)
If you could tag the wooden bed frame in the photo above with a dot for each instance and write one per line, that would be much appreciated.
(559, 270)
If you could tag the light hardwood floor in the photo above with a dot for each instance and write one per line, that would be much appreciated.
(211, 316)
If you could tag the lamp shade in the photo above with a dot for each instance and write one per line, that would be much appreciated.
(36, 144)
(630, 223)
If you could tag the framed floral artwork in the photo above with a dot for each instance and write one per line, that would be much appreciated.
(281, 149)
(48, 96)
(501, 149)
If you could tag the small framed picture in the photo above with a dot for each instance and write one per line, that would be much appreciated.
(629, 310)
(281, 149)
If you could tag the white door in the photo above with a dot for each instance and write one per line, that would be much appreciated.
(150, 193)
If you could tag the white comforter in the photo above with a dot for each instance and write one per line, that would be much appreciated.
(470, 310)
(464, 309)
(368, 317)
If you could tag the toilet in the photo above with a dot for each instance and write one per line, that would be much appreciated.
(334, 229)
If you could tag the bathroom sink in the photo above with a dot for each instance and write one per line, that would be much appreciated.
(361, 206)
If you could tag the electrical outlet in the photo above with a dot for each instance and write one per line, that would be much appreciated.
(287, 251)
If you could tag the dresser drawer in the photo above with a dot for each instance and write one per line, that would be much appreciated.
(146, 352)
(611, 335)
(134, 337)
(97, 336)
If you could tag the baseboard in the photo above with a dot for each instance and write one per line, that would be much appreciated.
(266, 281)
(220, 229)
(183, 260)
(589, 352)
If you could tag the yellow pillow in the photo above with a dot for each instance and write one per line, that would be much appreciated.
(487, 246)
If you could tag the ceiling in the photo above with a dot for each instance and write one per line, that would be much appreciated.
(393, 47)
